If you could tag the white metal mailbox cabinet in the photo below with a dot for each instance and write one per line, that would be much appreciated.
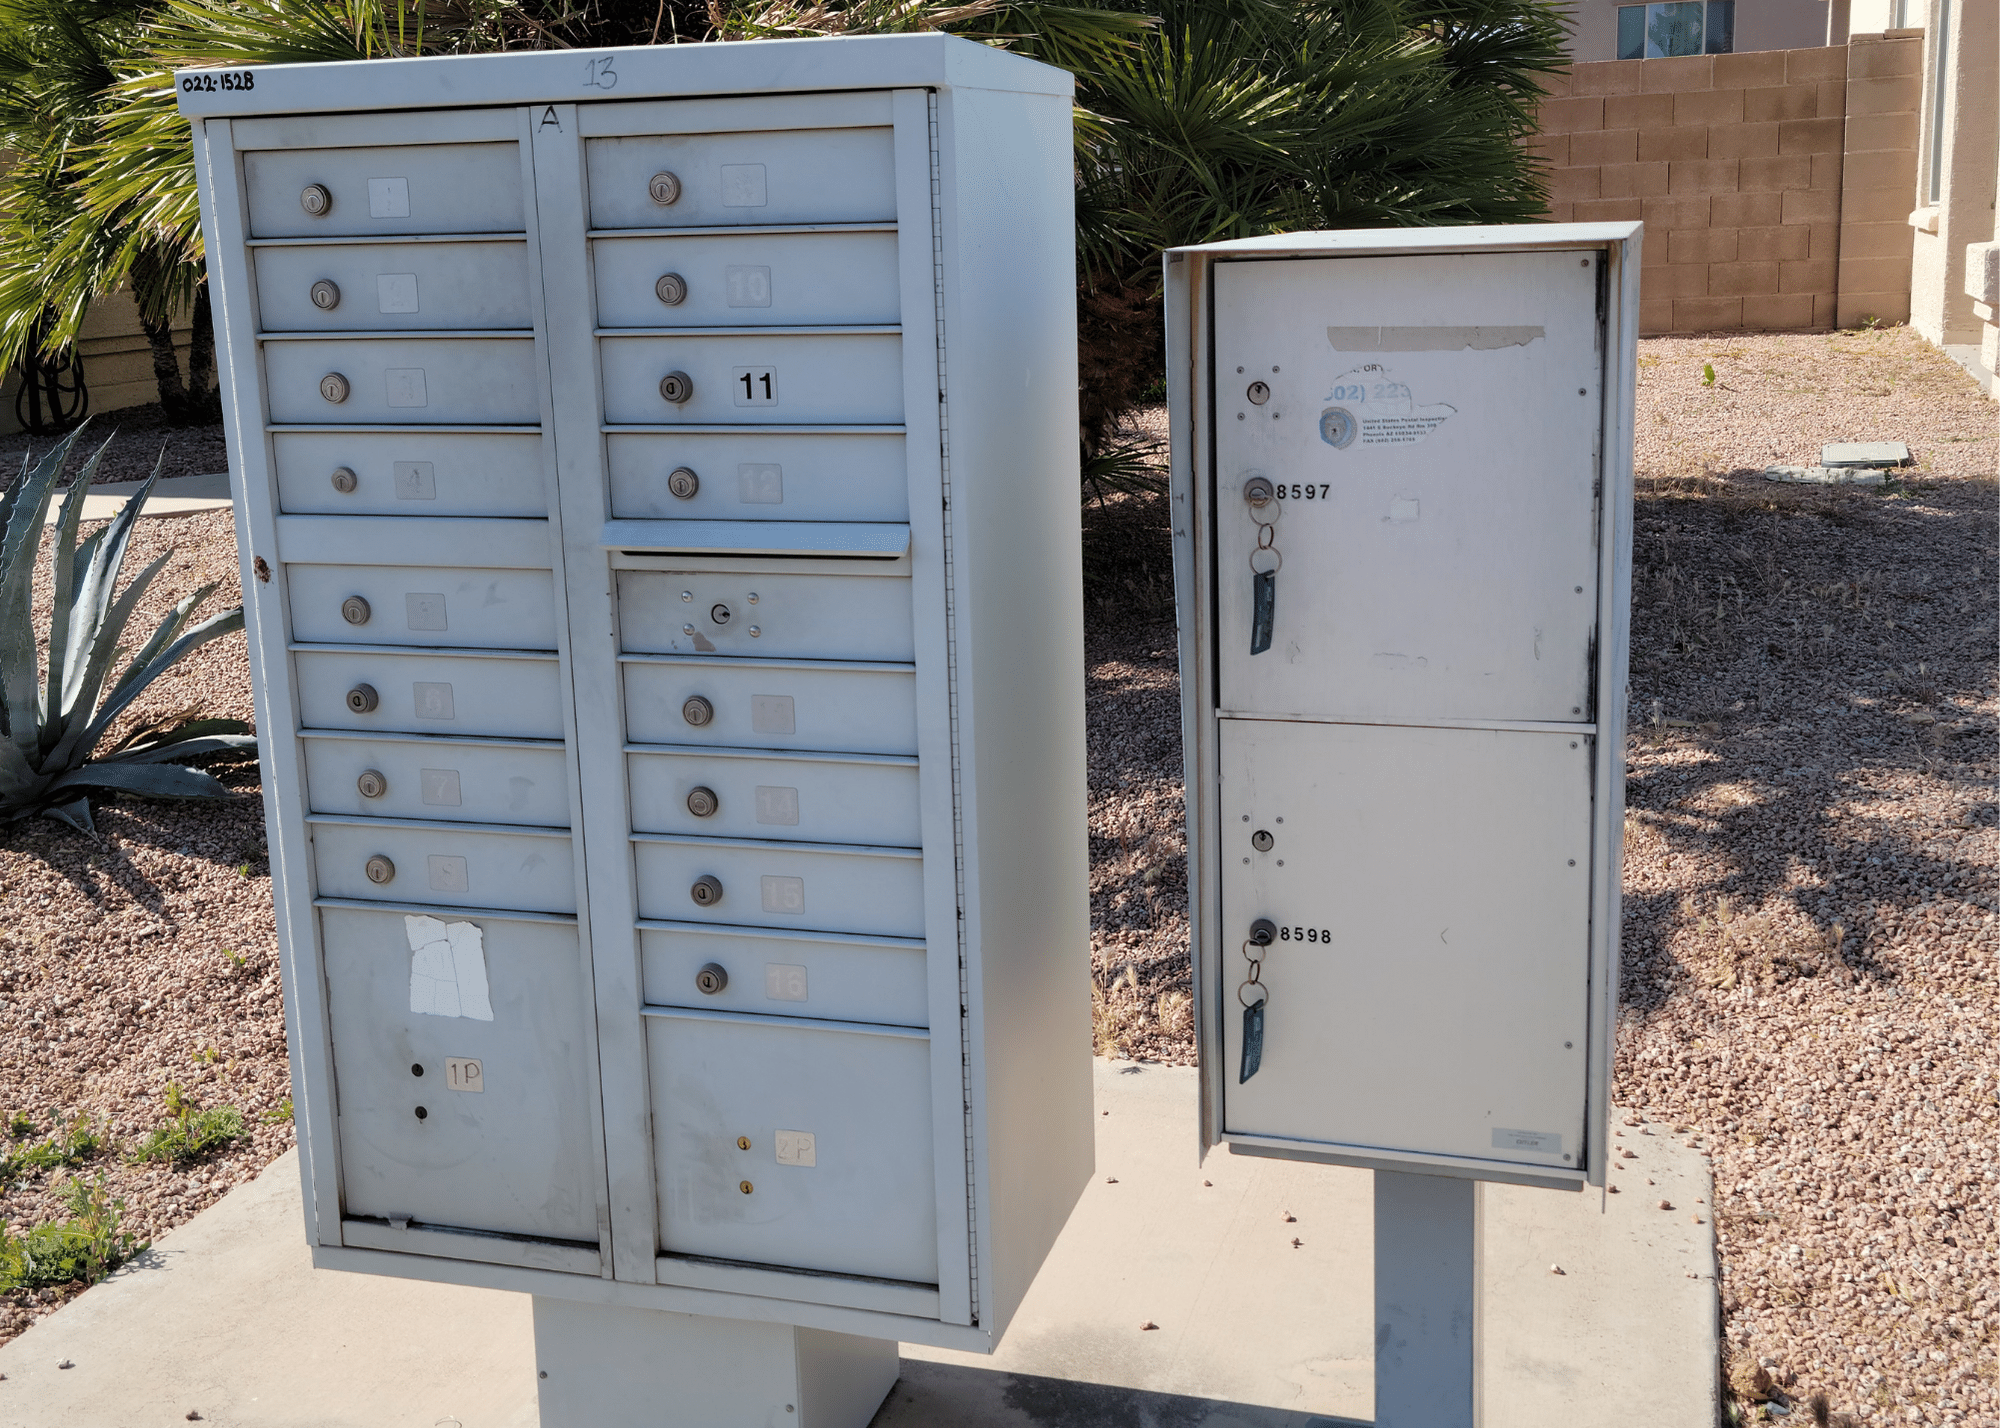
(657, 496)
(1402, 494)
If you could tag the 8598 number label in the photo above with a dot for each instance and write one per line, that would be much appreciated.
(1305, 934)
(216, 81)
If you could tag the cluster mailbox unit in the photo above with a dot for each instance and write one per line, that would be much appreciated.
(657, 502)
(1402, 535)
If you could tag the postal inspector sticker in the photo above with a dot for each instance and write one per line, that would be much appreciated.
(1370, 407)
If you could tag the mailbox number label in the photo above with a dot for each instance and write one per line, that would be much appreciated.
(212, 83)
(1301, 491)
(1305, 934)
(747, 286)
(784, 983)
(756, 387)
(463, 1073)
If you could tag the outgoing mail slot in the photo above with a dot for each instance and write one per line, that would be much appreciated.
(821, 798)
(863, 617)
(442, 864)
(410, 473)
(413, 776)
(807, 887)
(773, 176)
(439, 606)
(778, 704)
(748, 280)
(388, 381)
(873, 979)
(838, 1173)
(785, 378)
(403, 188)
(380, 690)
(359, 287)
(517, 1155)
(759, 475)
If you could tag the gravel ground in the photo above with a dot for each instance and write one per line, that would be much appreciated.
(142, 436)
(145, 955)
(1810, 940)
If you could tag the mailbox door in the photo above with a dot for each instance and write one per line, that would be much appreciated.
(1428, 987)
(741, 179)
(1422, 448)
(828, 798)
(444, 864)
(508, 1151)
(750, 280)
(424, 692)
(385, 189)
(837, 1174)
(772, 972)
(782, 377)
(416, 776)
(761, 476)
(821, 887)
(831, 616)
(434, 606)
(773, 704)
(410, 473)
(393, 286)
(408, 381)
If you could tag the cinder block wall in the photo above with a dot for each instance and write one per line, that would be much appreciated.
(1736, 165)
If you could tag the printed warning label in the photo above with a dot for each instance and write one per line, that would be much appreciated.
(1372, 408)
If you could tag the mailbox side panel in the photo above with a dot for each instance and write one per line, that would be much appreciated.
(1011, 418)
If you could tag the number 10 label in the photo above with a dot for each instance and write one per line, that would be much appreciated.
(756, 387)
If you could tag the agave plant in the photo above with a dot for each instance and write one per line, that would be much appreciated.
(52, 722)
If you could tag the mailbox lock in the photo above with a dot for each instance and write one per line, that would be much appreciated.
(719, 614)
(372, 785)
(702, 802)
(708, 981)
(745, 1186)
(677, 387)
(315, 199)
(422, 1115)
(379, 869)
(664, 188)
(1263, 932)
(672, 289)
(333, 387)
(325, 295)
(743, 1142)
(344, 480)
(683, 483)
(697, 710)
(1258, 393)
(1261, 841)
(707, 891)
(1259, 492)
(355, 610)
(362, 699)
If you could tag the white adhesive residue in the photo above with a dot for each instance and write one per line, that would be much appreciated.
(447, 969)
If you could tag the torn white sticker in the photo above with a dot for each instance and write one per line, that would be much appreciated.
(447, 969)
(1430, 339)
(1374, 409)
(797, 1148)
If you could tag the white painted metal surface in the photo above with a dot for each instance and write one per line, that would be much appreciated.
(1417, 775)
(505, 638)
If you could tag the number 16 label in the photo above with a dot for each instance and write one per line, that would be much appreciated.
(756, 387)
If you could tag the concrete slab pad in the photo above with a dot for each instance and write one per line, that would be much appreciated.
(174, 496)
(225, 1316)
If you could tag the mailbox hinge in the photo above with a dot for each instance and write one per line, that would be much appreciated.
(951, 702)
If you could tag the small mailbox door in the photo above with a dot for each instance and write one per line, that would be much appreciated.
(1419, 448)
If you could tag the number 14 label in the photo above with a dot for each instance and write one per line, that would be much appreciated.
(756, 387)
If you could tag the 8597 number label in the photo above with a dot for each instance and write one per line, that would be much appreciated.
(216, 81)
(1305, 934)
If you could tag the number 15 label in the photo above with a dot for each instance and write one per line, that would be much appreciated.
(756, 387)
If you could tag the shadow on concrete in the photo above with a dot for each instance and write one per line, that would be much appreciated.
(929, 1394)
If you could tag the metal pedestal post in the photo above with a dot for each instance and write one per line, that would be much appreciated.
(1426, 1301)
(601, 1366)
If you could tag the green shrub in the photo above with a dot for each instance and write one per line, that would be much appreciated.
(190, 1133)
(81, 1249)
(79, 1142)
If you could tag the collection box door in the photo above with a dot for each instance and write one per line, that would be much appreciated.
(462, 1073)
(1433, 466)
(1428, 984)
(836, 1174)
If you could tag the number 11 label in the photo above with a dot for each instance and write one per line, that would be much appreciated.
(756, 387)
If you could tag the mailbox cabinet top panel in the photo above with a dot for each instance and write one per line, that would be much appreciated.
(638, 72)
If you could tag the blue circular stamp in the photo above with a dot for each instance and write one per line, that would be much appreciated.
(1337, 427)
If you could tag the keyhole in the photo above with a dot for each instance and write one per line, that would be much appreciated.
(1258, 393)
(1261, 841)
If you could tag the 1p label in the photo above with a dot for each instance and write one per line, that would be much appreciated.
(463, 1073)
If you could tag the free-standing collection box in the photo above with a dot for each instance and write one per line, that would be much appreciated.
(1402, 493)
(656, 487)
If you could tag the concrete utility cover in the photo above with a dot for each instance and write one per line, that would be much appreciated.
(1864, 453)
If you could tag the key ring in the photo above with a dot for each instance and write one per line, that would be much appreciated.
(1267, 550)
(1260, 1001)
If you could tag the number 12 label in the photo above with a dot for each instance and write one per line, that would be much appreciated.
(756, 387)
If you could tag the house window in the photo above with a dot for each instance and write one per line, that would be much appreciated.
(1677, 27)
